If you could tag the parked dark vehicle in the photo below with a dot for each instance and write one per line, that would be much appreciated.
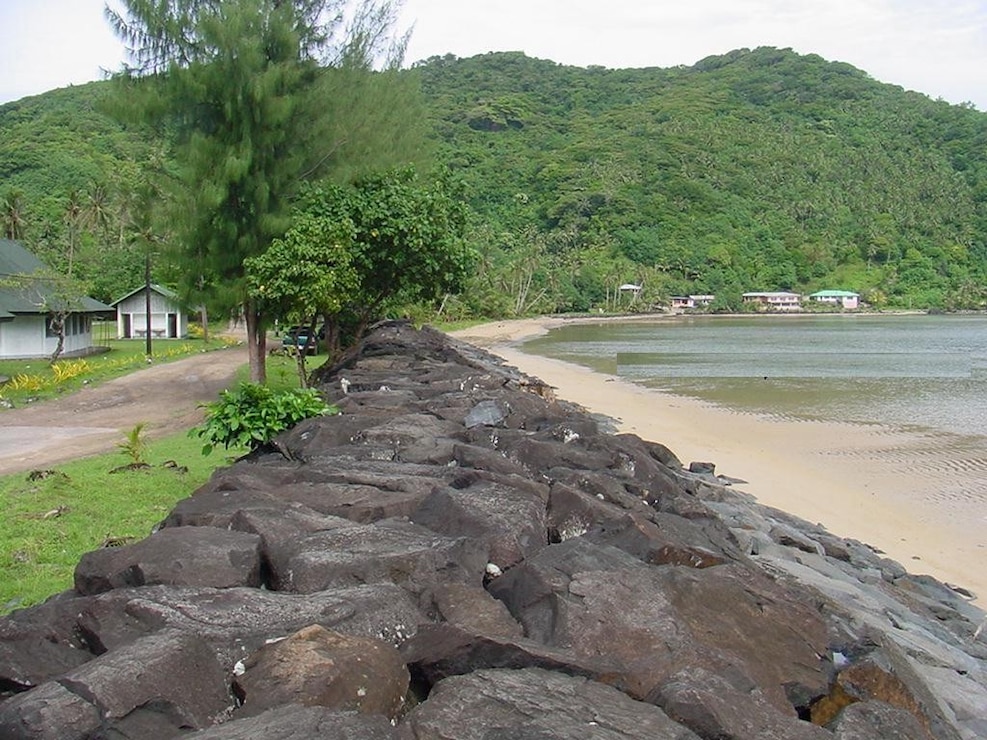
(297, 337)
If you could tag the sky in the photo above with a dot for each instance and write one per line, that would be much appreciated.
(936, 47)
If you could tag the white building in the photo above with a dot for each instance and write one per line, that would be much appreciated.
(168, 320)
(779, 301)
(27, 296)
(844, 298)
(691, 301)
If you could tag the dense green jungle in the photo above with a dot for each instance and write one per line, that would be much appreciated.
(757, 170)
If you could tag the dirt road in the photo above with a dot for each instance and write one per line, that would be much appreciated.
(164, 397)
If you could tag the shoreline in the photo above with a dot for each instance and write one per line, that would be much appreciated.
(831, 473)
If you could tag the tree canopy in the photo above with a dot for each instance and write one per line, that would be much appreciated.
(355, 251)
(233, 87)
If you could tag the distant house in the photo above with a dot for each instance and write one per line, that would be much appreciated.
(779, 301)
(168, 320)
(844, 298)
(683, 302)
(26, 299)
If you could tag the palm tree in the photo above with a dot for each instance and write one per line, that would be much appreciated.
(97, 211)
(12, 214)
(73, 217)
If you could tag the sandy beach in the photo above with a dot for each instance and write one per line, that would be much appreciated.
(855, 480)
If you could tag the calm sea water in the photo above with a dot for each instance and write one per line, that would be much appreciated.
(926, 372)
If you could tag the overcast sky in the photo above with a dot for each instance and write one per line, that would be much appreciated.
(937, 47)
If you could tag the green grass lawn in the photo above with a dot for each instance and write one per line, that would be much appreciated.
(48, 524)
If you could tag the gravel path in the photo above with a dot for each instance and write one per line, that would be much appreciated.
(164, 397)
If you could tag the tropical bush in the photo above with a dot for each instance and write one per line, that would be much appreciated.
(252, 414)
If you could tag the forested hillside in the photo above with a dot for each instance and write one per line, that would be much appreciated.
(71, 185)
(756, 170)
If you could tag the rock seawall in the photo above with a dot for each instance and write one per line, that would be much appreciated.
(460, 555)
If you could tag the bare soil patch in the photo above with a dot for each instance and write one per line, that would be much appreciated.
(165, 397)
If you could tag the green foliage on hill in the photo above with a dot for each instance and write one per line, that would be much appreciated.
(755, 170)
(79, 175)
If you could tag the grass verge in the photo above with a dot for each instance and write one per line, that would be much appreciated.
(36, 380)
(49, 523)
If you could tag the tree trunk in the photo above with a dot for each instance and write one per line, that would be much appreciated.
(58, 326)
(256, 344)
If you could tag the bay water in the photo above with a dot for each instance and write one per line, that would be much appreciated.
(902, 370)
(922, 377)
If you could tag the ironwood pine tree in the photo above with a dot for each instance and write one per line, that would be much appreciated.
(237, 87)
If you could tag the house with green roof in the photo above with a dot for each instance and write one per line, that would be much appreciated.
(168, 319)
(30, 297)
(844, 298)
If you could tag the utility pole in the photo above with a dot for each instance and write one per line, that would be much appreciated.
(147, 304)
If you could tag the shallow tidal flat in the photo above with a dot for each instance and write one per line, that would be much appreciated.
(915, 491)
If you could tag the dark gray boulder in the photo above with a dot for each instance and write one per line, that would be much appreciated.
(295, 722)
(49, 712)
(437, 651)
(359, 491)
(661, 539)
(348, 554)
(32, 659)
(177, 556)
(657, 620)
(237, 622)
(712, 708)
(877, 719)
(139, 680)
(472, 608)
(510, 520)
(534, 703)
(320, 667)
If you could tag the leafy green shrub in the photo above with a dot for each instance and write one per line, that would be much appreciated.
(251, 414)
(134, 445)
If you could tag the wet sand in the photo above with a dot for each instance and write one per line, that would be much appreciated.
(900, 491)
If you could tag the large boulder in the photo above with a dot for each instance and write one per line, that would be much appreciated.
(136, 686)
(237, 622)
(348, 554)
(362, 491)
(510, 520)
(320, 667)
(297, 722)
(474, 609)
(535, 703)
(49, 711)
(713, 708)
(657, 620)
(437, 651)
(178, 556)
(32, 659)
(876, 719)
